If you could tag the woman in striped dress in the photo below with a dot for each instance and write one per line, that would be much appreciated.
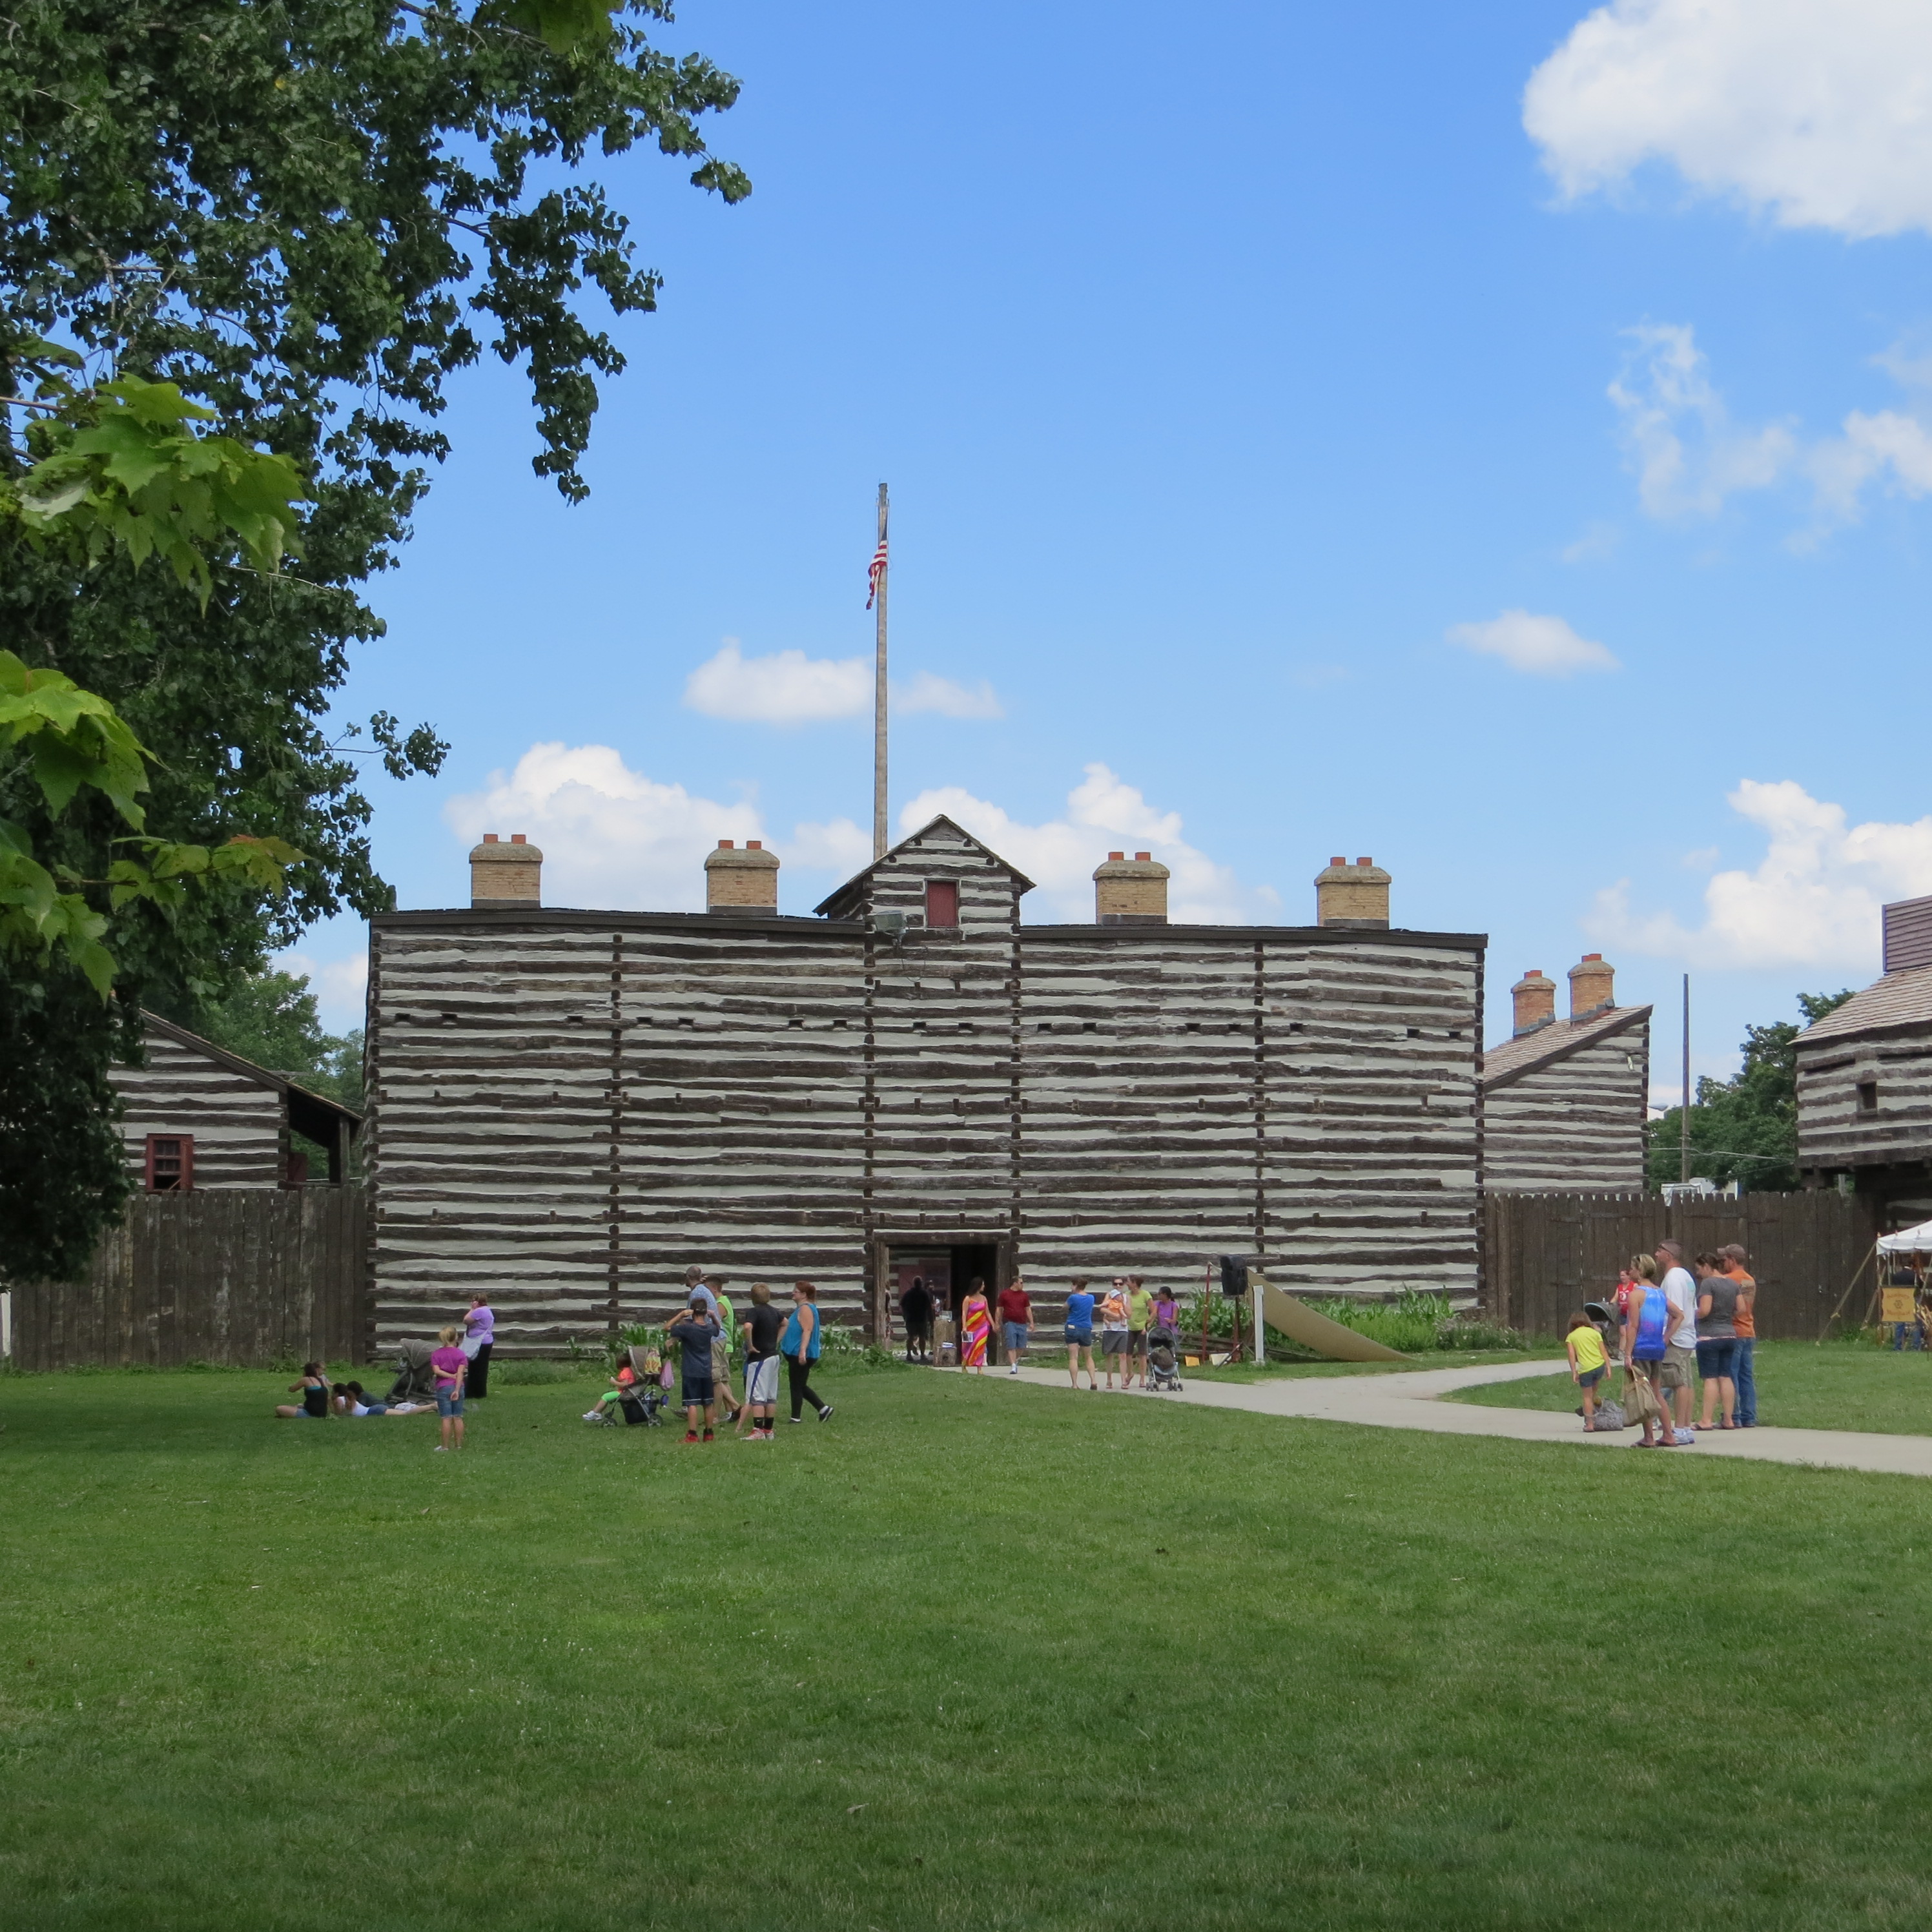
(976, 1328)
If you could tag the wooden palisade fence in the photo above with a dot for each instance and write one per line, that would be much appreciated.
(1546, 1254)
(239, 1277)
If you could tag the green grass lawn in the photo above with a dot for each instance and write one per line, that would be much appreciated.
(973, 1654)
(1800, 1385)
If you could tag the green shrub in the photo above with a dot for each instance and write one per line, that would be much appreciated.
(1417, 1324)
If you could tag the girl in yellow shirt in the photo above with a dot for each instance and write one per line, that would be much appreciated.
(1587, 1364)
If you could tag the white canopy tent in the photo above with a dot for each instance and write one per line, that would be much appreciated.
(1908, 1241)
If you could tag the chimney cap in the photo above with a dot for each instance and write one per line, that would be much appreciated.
(1116, 865)
(1362, 872)
(1587, 958)
(751, 856)
(493, 852)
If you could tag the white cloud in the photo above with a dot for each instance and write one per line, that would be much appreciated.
(927, 691)
(1813, 901)
(610, 836)
(1102, 813)
(788, 688)
(1543, 647)
(1599, 541)
(339, 985)
(840, 846)
(1817, 111)
(1664, 394)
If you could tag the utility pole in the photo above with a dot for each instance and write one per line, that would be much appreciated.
(878, 574)
(1683, 1112)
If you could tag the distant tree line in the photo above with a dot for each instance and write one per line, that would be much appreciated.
(1745, 1129)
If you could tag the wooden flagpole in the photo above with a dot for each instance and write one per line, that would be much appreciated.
(879, 694)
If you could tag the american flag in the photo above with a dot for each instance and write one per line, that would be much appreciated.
(875, 571)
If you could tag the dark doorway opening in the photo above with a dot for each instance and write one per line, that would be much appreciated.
(948, 1267)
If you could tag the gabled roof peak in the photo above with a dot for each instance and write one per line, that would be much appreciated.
(907, 847)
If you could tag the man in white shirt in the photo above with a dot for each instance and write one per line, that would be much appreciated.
(1680, 1362)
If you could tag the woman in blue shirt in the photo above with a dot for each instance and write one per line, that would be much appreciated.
(1080, 1332)
(799, 1346)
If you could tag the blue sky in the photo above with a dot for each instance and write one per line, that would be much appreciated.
(1301, 441)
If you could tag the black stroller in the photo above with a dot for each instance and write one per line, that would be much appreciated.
(416, 1382)
(1163, 1364)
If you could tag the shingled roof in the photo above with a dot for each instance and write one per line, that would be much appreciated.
(1556, 1041)
(1900, 999)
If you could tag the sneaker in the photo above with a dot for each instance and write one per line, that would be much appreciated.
(442, 1449)
(1013, 1371)
(794, 1418)
(707, 1435)
(825, 1414)
(689, 1437)
(591, 1415)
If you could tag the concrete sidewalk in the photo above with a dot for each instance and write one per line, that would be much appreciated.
(1407, 1400)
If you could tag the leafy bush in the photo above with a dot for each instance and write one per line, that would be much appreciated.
(637, 1335)
(1418, 1323)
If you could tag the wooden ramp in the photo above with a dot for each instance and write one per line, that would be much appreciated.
(1300, 1323)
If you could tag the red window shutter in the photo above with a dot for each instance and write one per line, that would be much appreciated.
(942, 902)
(170, 1163)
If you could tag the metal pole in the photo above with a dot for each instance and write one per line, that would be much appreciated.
(1683, 1112)
(879, 698)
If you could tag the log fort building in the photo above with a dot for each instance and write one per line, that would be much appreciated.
(567, 1108)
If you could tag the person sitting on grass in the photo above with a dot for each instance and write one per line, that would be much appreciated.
(695, 1331)
(352, 1398)
(1587, 1363)
(313, 1388)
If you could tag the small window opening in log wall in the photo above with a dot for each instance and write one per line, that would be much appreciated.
(1413, 1032)
(170, 1164)
(1868, 1096)
(942, 902)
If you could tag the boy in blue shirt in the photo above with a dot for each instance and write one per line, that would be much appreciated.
(694, 1332)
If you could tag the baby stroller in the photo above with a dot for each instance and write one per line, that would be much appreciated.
(1163, 1365)
(639, 1400)
(416, 1382)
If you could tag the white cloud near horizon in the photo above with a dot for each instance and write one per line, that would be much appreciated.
(610, 836)
(1103, 812)
(340, 986)
(1539, 646)
(788, 688)
(1816, 112)
(1812, 900)
(613, 837)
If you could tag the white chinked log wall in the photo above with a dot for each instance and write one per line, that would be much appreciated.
(236, 1122)
(1573, 1124)
(567, 1108)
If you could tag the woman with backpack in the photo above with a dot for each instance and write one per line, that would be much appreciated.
(803, 1336)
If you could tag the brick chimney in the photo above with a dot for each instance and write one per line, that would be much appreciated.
(741, 880)
(1535, 998)
(1592, 987)
(1357, 895)
(1130, 892)
(507, 876)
